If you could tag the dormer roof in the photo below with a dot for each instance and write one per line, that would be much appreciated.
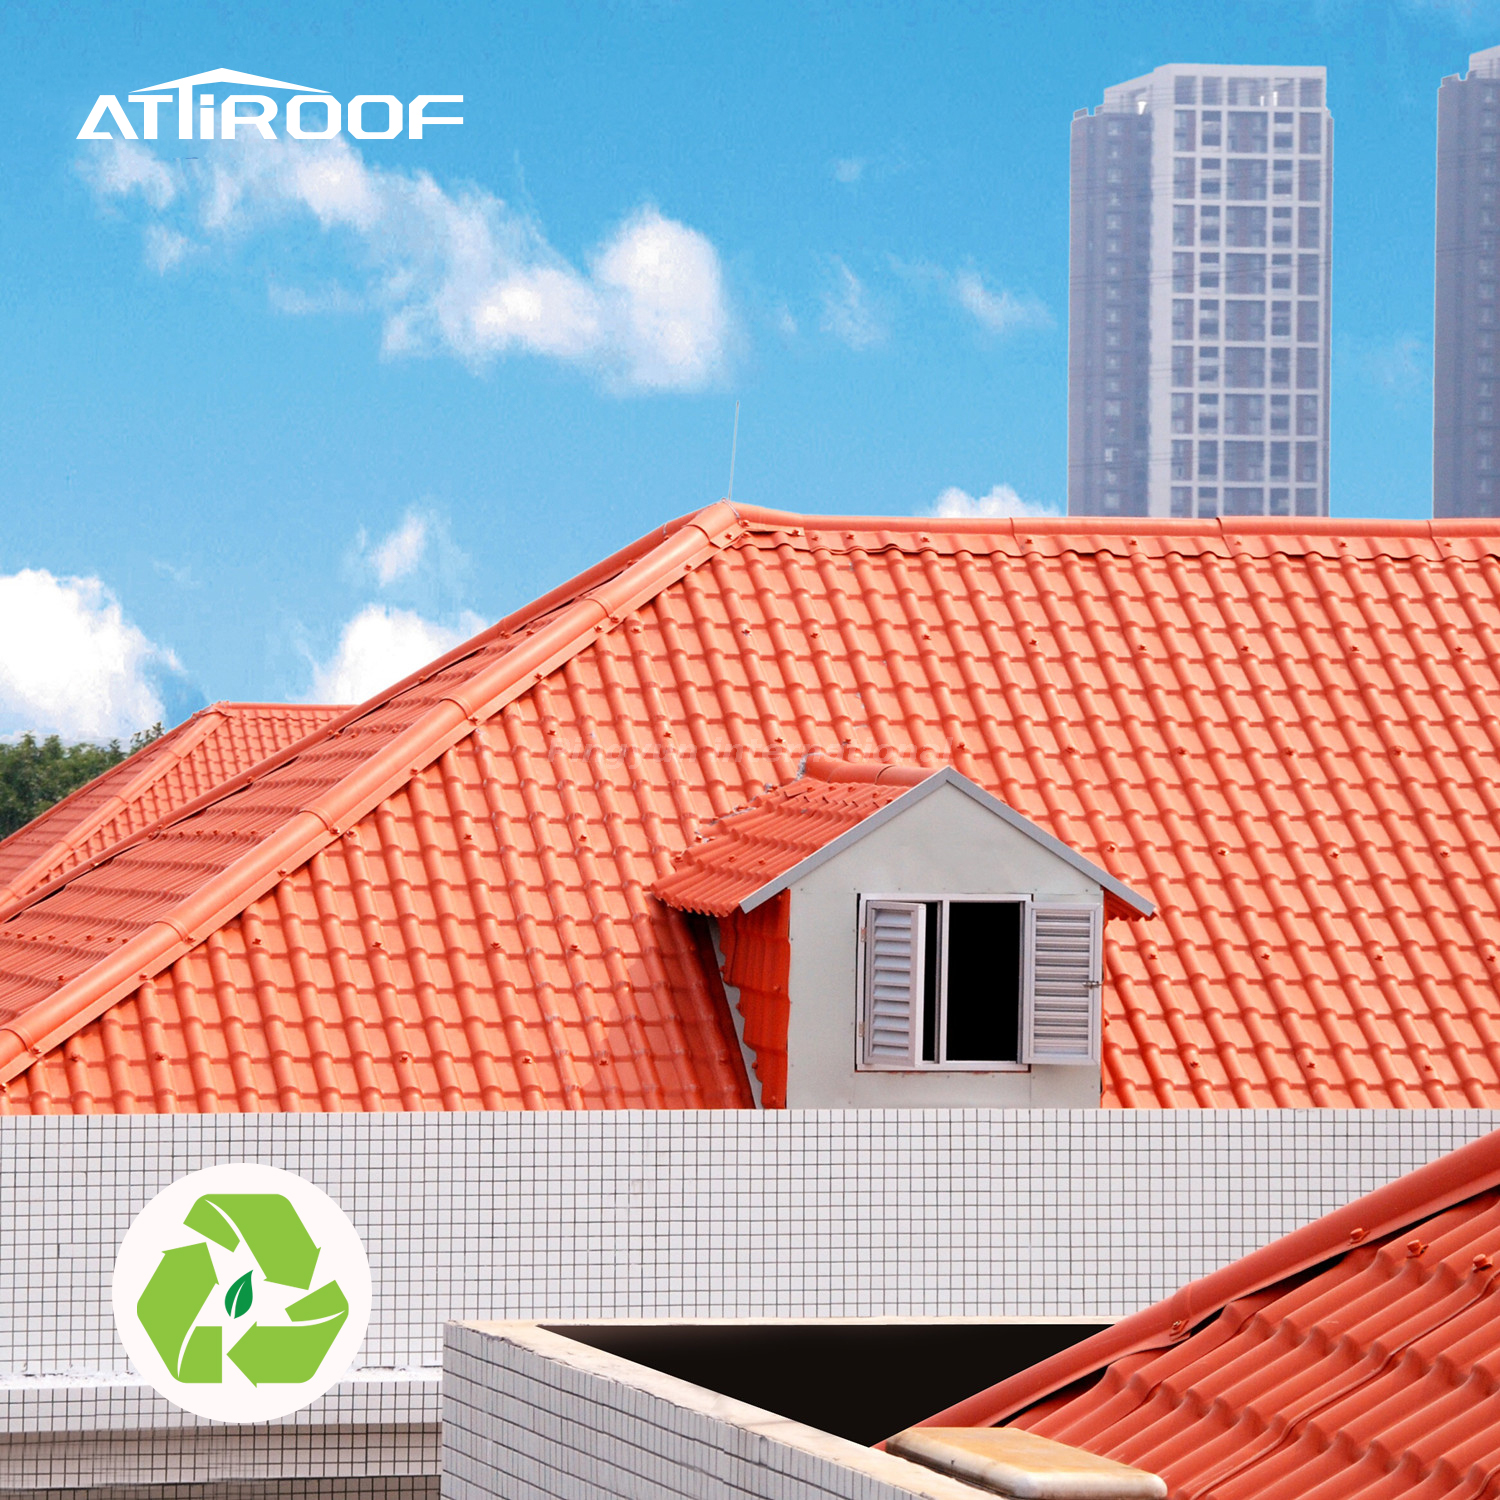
(745, 859)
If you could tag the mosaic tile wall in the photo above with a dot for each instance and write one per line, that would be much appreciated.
(529, 1416)
(1033, 1213)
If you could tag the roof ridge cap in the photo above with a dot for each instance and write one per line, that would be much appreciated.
(311, 827)
(1452, 1178)
(171, 753)
(820, 767)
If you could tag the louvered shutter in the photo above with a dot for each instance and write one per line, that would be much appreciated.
(893, 936)
(1062, 991)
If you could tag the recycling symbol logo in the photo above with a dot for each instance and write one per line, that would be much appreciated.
(241, 1292)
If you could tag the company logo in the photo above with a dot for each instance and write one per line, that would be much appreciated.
(309, 115)
(241, 1293)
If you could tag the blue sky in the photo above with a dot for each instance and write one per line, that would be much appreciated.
(281, 420)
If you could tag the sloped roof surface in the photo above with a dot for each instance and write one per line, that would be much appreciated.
(214, 745)
(737, 855)
(1283, 733)
(1365, 1370)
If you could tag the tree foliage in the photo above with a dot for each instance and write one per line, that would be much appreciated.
(36, 773)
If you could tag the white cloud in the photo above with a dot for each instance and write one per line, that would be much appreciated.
(380, 646)
(997, 311)
(72, 664)
(1000, 311)
(955, 503)
(849, 169)
(165, 247)
(127, 167)
(847, 313)
(460, 271)
(401, 552)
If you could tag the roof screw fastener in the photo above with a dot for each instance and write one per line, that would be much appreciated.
(1356, 1235)
(1481, 1262)
(1177, 1326)
(1415, 1248)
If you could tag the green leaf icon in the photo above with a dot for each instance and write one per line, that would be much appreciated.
(238, 1298)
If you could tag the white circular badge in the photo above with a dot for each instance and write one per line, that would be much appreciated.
(241, 1292)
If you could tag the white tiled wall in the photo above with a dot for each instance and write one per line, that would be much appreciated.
(1031, 1213)
(531, 1416)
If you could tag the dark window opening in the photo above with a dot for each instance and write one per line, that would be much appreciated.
(984, 981)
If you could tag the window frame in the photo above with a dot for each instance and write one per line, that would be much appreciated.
(940, 1009)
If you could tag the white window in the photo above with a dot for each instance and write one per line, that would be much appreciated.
(977, 983)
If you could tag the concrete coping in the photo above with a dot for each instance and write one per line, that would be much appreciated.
(1025, 1464)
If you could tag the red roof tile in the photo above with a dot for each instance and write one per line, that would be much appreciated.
(1356, 1359)
(1284, 733)
(739, 854)
(214, 745)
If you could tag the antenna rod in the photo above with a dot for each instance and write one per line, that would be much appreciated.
(733, 448)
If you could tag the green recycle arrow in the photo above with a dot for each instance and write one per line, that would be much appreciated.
(285, 1254)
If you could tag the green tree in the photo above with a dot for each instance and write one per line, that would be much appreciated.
(36, 773)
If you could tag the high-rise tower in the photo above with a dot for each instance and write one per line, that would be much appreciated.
(1198, 304)
(1465, 479)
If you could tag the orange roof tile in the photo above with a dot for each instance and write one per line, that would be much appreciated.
(217, 743)
(738, 855)
(752, 855)
(1284, 733)
(1356, 1359)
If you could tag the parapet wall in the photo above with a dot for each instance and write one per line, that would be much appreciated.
(922, 1213)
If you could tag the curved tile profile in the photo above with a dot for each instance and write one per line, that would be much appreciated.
(1282, 733)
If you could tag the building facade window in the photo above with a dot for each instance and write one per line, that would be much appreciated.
(1245, 275)
(1245, 321)
(1247, 130)
(1247, 178)
(1247, 227)
(1244, 462)
(1244, 366)
(1244, 415)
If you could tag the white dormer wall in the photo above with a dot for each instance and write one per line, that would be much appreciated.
(944, 844)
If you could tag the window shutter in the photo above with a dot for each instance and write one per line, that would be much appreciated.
(1063, 982)
(893, 981)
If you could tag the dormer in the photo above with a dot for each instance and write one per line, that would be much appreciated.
(894, 936)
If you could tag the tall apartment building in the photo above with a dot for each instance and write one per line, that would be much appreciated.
(1465, 479)
(1198, 304)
